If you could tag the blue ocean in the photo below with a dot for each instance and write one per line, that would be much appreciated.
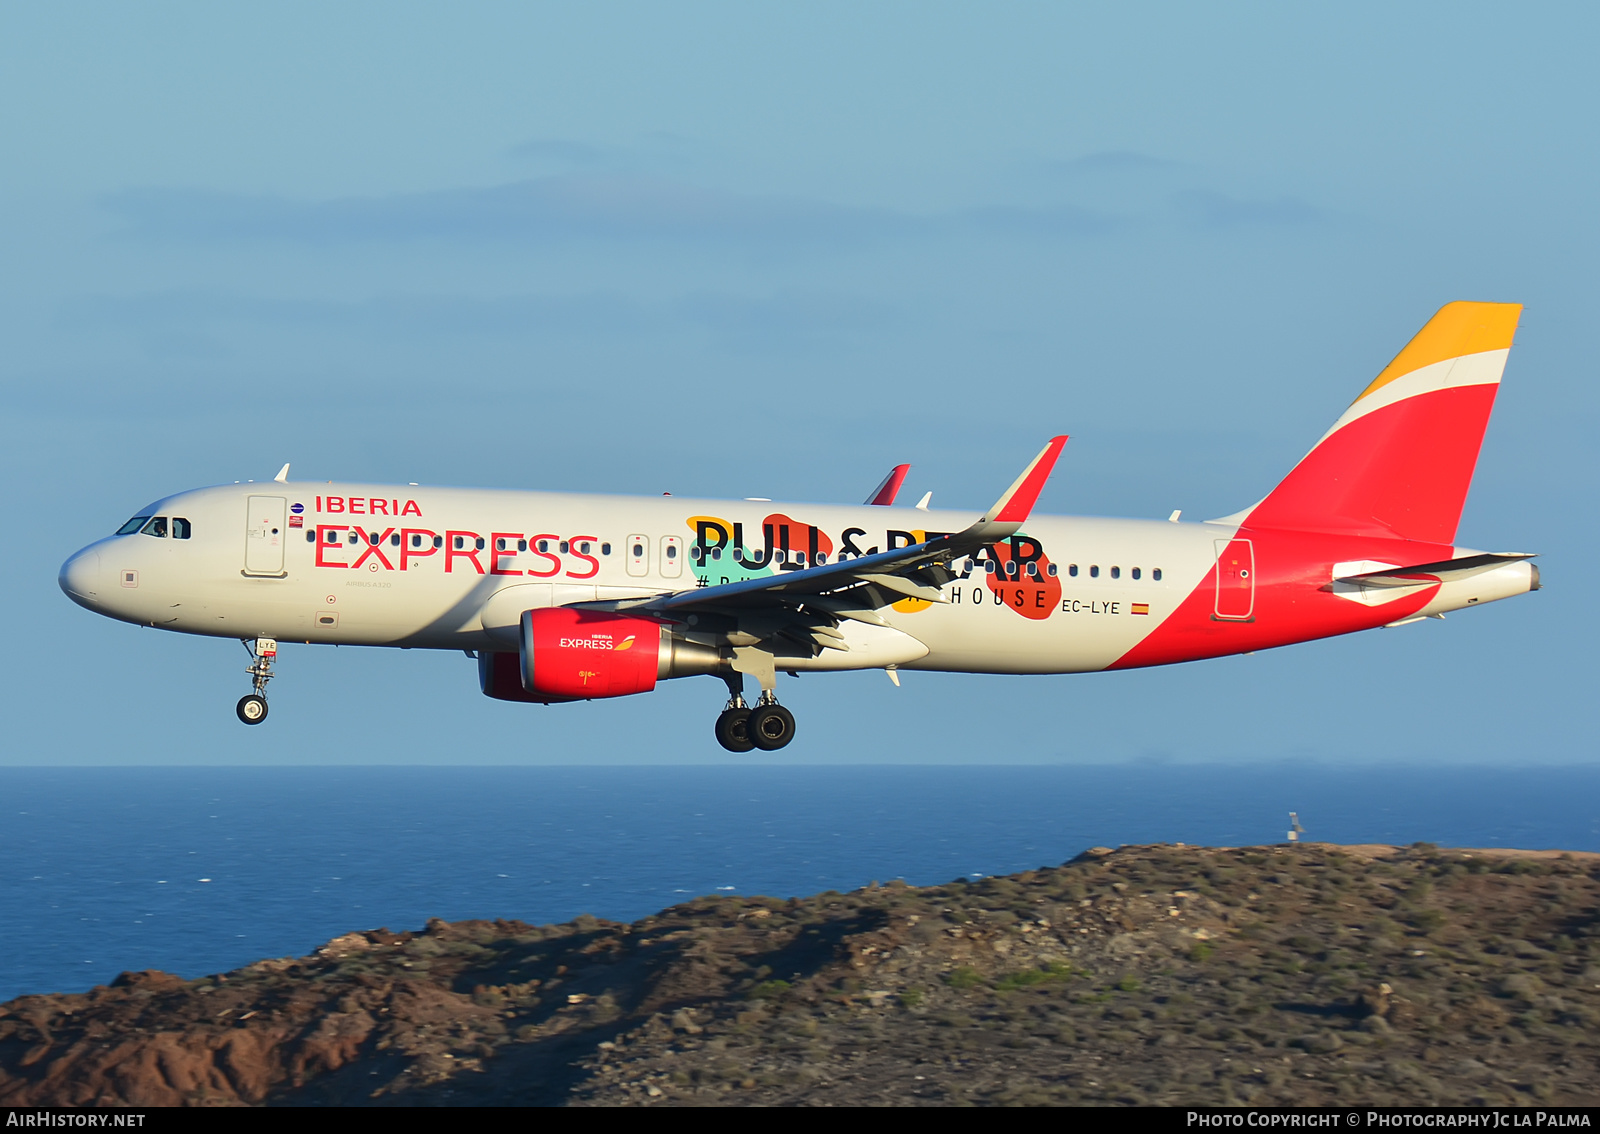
(200, 870)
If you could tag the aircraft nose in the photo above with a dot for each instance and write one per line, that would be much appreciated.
(80, 577)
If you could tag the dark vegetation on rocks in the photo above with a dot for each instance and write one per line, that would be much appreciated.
(1300, 975)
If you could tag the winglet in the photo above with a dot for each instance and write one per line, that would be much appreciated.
(283, 475)
(1017, 503)
(885, 493)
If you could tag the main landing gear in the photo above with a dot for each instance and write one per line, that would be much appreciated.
(252, 708)
(769, 726)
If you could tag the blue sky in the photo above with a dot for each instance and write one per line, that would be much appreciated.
(761, 250)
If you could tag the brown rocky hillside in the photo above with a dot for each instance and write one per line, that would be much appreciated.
(1301, 975)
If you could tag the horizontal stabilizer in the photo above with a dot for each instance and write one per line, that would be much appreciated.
(1445, 571)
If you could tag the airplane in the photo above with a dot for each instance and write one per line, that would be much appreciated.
(564, 597)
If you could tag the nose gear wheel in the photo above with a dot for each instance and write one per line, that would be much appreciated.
(251, 709)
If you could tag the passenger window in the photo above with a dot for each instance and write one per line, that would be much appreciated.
(478, 543)
(1072, 569)
(332, 537)
(499, 545)
(638, 553)
(583, 548)
(822, 557)
(156, 527)
(353, 539)
(374, 538)
(311, 537)
(132, 525)
(1116, 572)
(1094, 571)
(672, 553)
(460, 543)
(438, 541)
(416, 541)
(1052, 570)
(1033, 570)
(605, 549)
(1156, 574)
(716, 553)
(988, 566)
(394, 540)
(544, 545)
(522, 545)
(180, 528)
(563, 547)
(1136, 572)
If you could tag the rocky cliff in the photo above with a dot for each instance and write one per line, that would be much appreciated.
(1306, 975)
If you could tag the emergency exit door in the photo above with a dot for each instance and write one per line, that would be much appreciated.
(264, 535)
(1236, 580)
(638, 555)
(671, 556)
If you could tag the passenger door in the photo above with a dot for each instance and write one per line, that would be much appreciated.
(265, 535)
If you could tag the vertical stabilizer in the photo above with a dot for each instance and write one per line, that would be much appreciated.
(1400, 460)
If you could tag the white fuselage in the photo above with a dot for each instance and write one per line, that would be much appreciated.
(219, 582)
(1100, 592)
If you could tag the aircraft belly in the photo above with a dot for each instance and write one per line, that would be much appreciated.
(870, 647)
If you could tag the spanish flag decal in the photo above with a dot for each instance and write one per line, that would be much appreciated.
(1141, 608)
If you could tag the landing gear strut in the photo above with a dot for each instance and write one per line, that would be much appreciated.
(769, 726)
(252, 708)
(733, 731)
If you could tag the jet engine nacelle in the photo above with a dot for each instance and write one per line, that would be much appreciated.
(576, 655)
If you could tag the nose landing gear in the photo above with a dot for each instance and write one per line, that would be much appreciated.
(252, 708)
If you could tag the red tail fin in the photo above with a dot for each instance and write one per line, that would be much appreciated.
(1400, 460)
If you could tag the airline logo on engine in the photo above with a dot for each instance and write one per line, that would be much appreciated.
(597, 642)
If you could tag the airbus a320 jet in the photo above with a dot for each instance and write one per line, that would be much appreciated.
(565, 597)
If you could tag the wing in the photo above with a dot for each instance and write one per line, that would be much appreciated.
(889, 487)
(805, 605)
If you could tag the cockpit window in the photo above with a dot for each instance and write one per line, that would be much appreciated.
(156, 527)
(180, 528)
(132, 525)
